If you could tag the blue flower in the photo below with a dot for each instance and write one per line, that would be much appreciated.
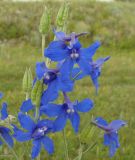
(4, 131)
(95, 71)
(66, 111)
(54, 80)
(111, 139)
(72, 53)
(37, 132)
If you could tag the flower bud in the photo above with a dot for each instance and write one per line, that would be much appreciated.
(62, 16)
(45, 22)
(27, 81)
(37, 93)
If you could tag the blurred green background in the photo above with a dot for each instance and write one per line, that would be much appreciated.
(113, 23)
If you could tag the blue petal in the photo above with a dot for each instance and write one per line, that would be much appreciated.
(100, 61)
(66, 68)
(51, 93)
(85, 105)
(21, 136)
(112, 149)
(101, 121)
(65, 85)
(88, 53)
(36, 148)
(94, 76)
(26, 106)
(26, 122)
(115, 139)
(60, 35)
(116, 125)
(84, 66)
(48, 144)
(77, 74)
(46, 122)
(40, 69)
(7, 137)
(4, 113)
(56, 51)
(1, 95)
(107, 140)
(51, 110)
(60, 122)
(75, 121)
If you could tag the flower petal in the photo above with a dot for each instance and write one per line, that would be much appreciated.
(107, 140)
(36, 148)
(75, 121)
(7, 137)
(51, 93)
(77, 74)
(101, 121)
(48, 144)
(40, 69)
(56, 51)
(84, 66)
(26, 106)
(66, 68)
(26, 122)
(21, 136)
(60, 122)
(51, 109)
(85, 105)
(60, 35)
(116, 124)
(112, 149)
(88, 53)
(4, 113)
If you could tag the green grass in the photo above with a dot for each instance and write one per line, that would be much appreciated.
(115, 98)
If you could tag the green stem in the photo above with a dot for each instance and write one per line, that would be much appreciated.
(27, 95)
(65, 144)
(38, 158)
(43, 44)
(16, 157)
(37, 114)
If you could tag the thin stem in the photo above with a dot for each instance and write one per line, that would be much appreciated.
(15, 155)
(43, 44)
(38, 158)
(27, 95)
(65, 144)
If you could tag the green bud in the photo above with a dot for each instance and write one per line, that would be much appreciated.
(27, 81)
(30, 80)
(45, 22)
(62, 15)
(37, 93)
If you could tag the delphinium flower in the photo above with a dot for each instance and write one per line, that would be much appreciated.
(5, 132)
(70, 49)
(54, 80)
(67, 110)
(111, 138)
(36, 132)
(94, 73)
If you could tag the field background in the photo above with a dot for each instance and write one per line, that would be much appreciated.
(111, 23)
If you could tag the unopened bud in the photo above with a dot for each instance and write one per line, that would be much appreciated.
(45, 22)
(37, 93)
(62, 16)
